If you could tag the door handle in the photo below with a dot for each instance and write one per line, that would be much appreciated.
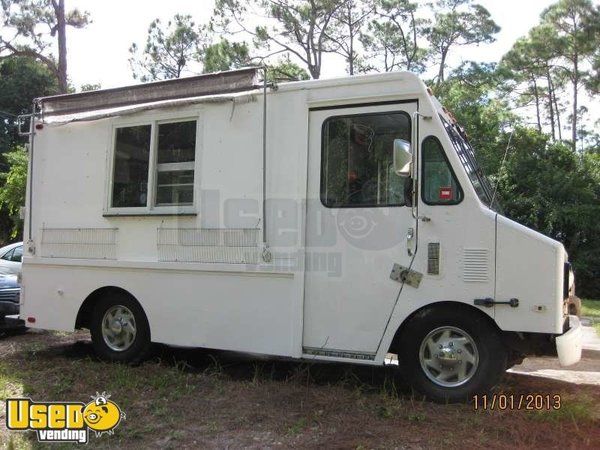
(410, 236)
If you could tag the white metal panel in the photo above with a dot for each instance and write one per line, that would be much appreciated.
(457, 228)
(529, 268)
(199, 308)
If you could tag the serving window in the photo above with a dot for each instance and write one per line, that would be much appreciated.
(154, 166)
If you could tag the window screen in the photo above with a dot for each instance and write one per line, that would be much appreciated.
(439, 183)
(132, 155)
(357, 160)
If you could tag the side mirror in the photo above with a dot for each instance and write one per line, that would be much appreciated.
(402, 157)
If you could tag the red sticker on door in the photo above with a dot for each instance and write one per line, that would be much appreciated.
(445, 193)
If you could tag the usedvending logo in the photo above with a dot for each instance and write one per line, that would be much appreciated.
(64, 421)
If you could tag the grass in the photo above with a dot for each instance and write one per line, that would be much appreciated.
(197, 399)
(591, 309)
(578, 411)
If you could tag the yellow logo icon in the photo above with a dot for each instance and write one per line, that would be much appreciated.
(102, 415)
(64, 421)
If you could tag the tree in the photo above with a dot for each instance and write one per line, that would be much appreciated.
(225, 55)
(86, 87)
(12, 193)
(297, 27)
(21, 80)
(458, 23)
(349, 21)
(392, 37)
(532, 61)
(520, 69)
(576, 24)
(286, 70)
(470, 92)
(169, 50)
(21, 36)
(593, 82)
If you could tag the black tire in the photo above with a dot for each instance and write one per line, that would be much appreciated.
(140, 347)
(492, 354)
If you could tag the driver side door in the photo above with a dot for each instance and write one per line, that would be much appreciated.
(357, 223)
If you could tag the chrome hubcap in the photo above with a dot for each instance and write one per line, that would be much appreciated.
(449, 356)
(118, 328)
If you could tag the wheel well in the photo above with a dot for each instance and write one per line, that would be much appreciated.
(87, 307)
(397, 340)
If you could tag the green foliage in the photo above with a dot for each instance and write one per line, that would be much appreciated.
(391, 41)
(31, 26)
(458, 23)
(470, 94)
(21, 80)
(555, 61)
(86, 87)
(12, 192)
(591, 309)
(225, 55)
(349, 22)
(543, 184)
(286, 70)
(169, 50)
(297, 27)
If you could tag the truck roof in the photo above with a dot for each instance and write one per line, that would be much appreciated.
(208, 88)
(196, 86)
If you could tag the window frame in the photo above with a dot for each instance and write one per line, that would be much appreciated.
(5, 256)
(13, 254)
(322, 162)
(452, 172)
(151, 209)
(468, 160)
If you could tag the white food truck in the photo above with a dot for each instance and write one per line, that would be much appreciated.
(327, 220)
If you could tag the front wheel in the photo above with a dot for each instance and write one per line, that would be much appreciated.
(449, 354)
(120, 330)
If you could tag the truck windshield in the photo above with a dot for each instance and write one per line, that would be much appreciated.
(466, 154)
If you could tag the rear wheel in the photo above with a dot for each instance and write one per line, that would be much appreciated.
(119, 329)
(450, 354)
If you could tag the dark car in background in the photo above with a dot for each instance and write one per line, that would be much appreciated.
(10, 293)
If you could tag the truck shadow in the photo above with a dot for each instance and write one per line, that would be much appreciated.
(254, 368)
(250, 367)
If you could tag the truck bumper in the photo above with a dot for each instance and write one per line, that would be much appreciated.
(569, 344)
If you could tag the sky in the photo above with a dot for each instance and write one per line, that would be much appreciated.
(99, 53)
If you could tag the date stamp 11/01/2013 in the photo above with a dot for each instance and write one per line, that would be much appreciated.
(526, 402)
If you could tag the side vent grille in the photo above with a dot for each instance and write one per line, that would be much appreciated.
(433, 258)
(476, 265)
